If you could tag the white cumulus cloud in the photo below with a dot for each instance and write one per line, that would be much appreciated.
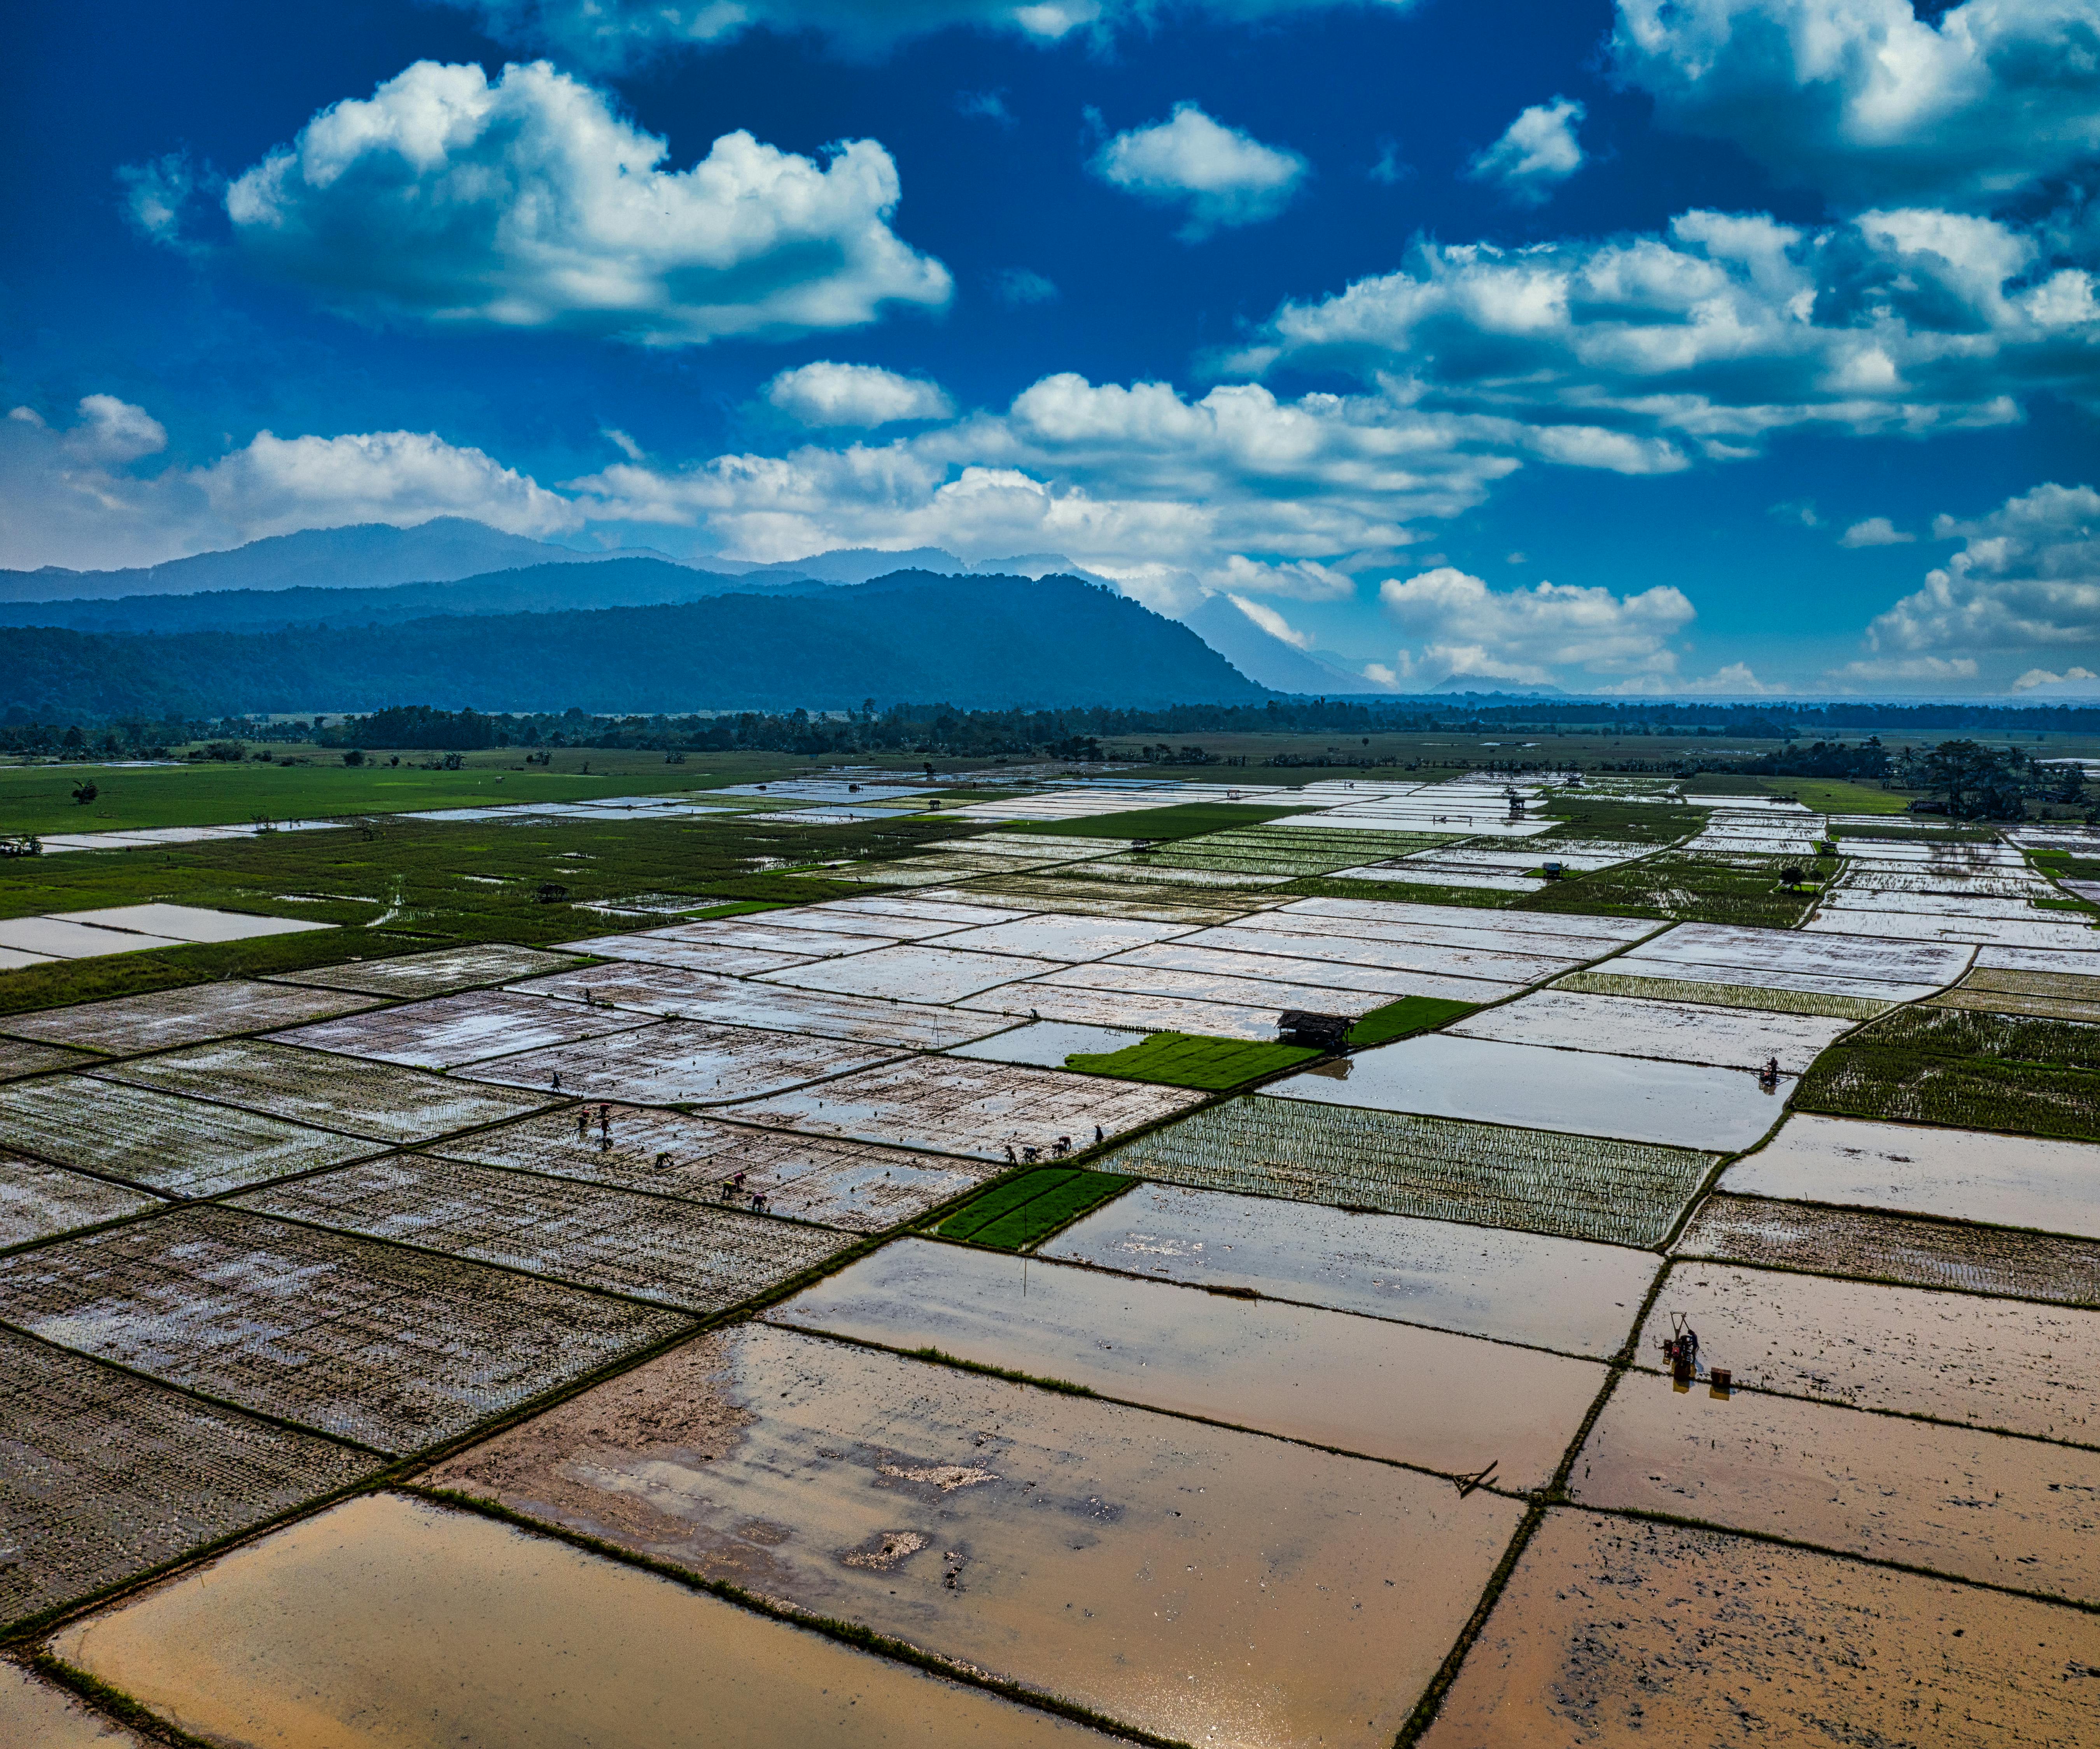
(1272, 622)
(1537, 153)
(1730, 327)
(617, 34)
(1300, 579)
(2025, 581)
(866, 396)
(1876, 531)
(530, 203)
(1869, 101)
(1219, 176)
(1462, 627)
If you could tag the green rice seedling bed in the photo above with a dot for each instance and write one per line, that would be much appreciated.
(1189, 1059)
(1685, 887)
(1723, 994)
(1623, 822)
(2008, 1038)
(1534, 1181)
(2003, 1002)
(1023, 1212)
(1410, 1014)
(1966, 1092)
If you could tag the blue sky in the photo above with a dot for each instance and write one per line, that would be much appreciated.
(1713, 347)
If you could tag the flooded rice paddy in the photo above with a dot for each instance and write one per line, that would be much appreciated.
(389, 1622)
(1548, 1293)
(2019, 1514)
(1235, 1458)
(1368, 1386)
(1208, 1585)
(1616, 1632)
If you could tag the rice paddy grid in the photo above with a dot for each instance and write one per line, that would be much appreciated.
(364, 1341)
(758, 935)
(1142, 871)
(922, 970)
(1902, 1249)
(842, 920)
(1963, 931)
(1459, 928)
(2015, 1366)
(1064, 939)
(381, 1102)
(439, 973)
(1877, 899)
(1884, 992)
(673, 993)
(913, 1495)
(39, 1201)
(1438, 1169)
(952, 1105)
(104, 1475)
(1337, 974)
(919, 906)
(446, 1032)
(1159, 905)
(672, 1251)
(1823, 1475)
(1618, 930)
(18, 1059)
(1124, 1009)
(1599, 1613)
(1723, 994)
(644, 949)
(1641, 1026)
(162, 1018)
(681, 1062)
(1257, 941)
(180, 1147)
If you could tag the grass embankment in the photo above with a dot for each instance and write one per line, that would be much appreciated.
(1835, 795)
(432, 884)
(1189, 1059)
(2016, 1074)
(1023, 1212)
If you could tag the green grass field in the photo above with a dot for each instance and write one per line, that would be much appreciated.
(1023, 1212)
(1830, 795)
(1187, 1059)
(1410, 1014)
(1191, 820)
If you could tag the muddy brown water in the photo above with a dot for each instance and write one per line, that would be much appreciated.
(35, 1715)
(1380, 1389)
(1212, 1586)
(2017, 1513)
(1894, 1247)
(1613, 1632)
(390, 1623)
(2002, 1363)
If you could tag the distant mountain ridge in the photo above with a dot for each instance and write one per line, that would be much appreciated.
(988, 643)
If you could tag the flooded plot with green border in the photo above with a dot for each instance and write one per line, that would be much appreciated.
(38, 1201)
(988, 1110)
(365, 1341)
(447, 1032)
(2007, 1364)
(384, 1101)
(1206, 1584)
(1538, 1180)
(1669, 1031)
(2009, 1180)
(1364, 1385)
(1894, 1248)
(2017, 1513)
(681, 1062)
(1613, 1633)
(661, 1249)
(676, 994)
(18, 1059)
(35, 1714)
(852, 1185)
(389, 1621)
(437, 974)
(104, 1475)
(177, 1146)
(1530, 1288)
(162, 1020)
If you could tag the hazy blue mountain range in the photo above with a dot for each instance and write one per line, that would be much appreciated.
(978, 641)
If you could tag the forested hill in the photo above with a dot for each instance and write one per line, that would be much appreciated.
(976, 641)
